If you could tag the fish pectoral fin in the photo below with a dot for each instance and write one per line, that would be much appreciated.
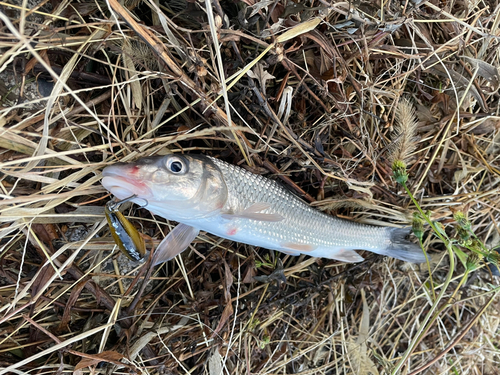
(175, 243)
(301, 247)
(254, 213)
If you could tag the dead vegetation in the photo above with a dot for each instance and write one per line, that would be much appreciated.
(312, 93)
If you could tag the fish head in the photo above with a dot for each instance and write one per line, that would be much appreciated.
(177, 187)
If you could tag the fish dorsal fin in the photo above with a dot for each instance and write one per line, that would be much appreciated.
(254, 213)
(175, 243)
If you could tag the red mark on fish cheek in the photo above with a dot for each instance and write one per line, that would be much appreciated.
(134, 170)
(232, 231)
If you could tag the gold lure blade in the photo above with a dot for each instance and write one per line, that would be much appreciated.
(123, 232)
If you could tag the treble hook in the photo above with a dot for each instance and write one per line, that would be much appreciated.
(114, 205)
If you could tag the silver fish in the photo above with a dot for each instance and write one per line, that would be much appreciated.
(204, 193)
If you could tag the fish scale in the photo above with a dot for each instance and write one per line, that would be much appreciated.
(302, 224)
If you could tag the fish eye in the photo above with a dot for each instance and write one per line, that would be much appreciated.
(176, 165)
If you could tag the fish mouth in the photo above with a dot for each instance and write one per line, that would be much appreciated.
(121, 186)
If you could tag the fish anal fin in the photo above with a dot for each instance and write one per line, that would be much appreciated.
(301, 247)
(254, 213)
(348, 256)
(175, 243)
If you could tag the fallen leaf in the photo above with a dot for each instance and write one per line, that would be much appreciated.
(261, 75)
(226, 314)
(107, 356)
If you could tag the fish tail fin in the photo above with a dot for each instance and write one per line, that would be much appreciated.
(402, 248)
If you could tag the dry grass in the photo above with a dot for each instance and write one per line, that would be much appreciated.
(315, 104)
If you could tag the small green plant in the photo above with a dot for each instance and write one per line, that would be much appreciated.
(265, 341)
(259, 264)
(465, 238)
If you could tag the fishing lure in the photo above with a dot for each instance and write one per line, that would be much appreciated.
(124, 233)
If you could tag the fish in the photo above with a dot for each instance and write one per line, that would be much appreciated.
(127, 238)
(203, 193)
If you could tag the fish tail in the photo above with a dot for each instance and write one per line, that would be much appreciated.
(401, 248)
